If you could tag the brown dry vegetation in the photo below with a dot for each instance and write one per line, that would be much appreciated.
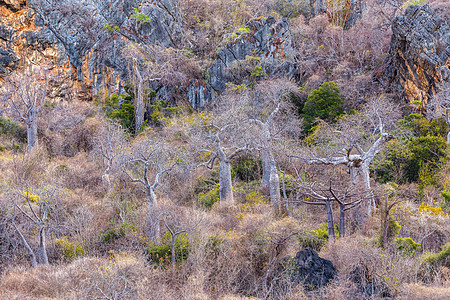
(232, 251)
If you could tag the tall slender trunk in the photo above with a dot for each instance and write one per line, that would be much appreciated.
(330, 220)
(33, 259)
(226, 185)
(271, 181)
(32, 138)
(139, 109)
(341, 221)
(42, 251)
(267, 167)
(153, 221)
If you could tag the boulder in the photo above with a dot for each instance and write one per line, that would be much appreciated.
(352, 9)
(8, 62)
(308, 268)
(418, 62)
(13, 5)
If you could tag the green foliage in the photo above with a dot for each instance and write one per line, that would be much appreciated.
(324, 103)
(14, 132)
(393, 230)
(316, 239)
(116, 233)
(208, 199)
(70, 250)
(247, 169)
(123, 113)
(138, 16)
(161, 253)
(161, 111)
(445, 204)
(212, 247)
(406, 246)
(417, 158)
(440, 258)
(111, 28)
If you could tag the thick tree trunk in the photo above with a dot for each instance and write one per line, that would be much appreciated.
(32, 138)
(330, 220)
(365, 172)
(266, 160)
(153, 221)
(271, 182)
(226, 186)
(42, 251)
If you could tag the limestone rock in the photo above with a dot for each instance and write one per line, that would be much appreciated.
(418, 62)
(352, 10)
(8, 62)
(264, 38)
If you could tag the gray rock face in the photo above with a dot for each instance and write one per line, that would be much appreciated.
(354, 10)
(418, 62)
(311, 270)
(8, 62)
(264, 38)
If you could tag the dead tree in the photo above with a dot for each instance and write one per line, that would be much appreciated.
(345, 143)
(25, 94)
(151, 160)
(36, 208)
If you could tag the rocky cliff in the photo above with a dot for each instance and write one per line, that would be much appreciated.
(418, 62)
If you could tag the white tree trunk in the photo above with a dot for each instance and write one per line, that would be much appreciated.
(32, 138)
(365, 172)
(226, 185)
(153, 221)
(266, 159)
(42, 251)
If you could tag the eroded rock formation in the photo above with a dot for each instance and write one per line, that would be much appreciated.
(418, 62)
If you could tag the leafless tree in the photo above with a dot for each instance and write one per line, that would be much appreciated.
(269, 109)
(25, 93)
(146, 165)
(36, 208)
(109, 144)
(221, 136)
(353, 142)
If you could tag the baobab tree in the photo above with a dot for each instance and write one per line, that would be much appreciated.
(36, 208)
(268, 108)
(222, 136)
(25, 93)
(147, 164)
(353, 142)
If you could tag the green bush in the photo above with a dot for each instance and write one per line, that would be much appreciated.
(123, 113)
(116, 233)
(70, 250)
(441, 258)
(406, 246)
(324, 103)
(161, 112)
(161, 253)
(208, 199)
(316, 239)
(247, 169)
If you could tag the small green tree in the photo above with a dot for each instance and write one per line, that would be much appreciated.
(324, 103)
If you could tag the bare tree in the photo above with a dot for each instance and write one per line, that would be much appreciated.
(353, 142)
(25, 93)
(109, 144)
(146, 165)
(270, 110)
(36, 208)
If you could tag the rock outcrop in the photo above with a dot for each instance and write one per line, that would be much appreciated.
(347, 12)
(306, 268)
(264, 40)
(418, 62)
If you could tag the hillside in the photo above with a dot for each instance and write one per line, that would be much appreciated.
(224, 149)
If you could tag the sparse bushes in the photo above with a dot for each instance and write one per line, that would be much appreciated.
(69, 249)
(161, 252)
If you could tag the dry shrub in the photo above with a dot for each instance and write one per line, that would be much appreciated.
(385, 270)
(416, 291)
